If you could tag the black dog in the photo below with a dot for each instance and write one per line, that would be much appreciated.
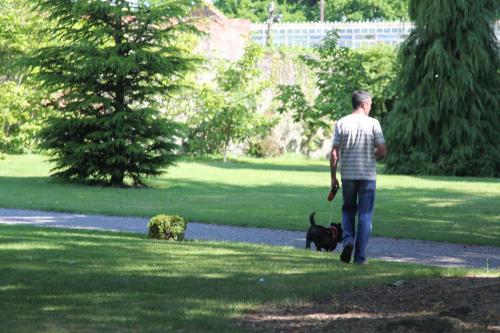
(322, 237)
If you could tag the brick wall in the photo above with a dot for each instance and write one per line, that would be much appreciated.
(226, 38)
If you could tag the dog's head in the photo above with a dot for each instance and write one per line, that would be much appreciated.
(337, 233)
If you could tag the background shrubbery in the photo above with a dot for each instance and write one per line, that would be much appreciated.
(21, 104)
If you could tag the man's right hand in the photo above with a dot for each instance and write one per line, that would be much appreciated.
(335, 183)
(333, 191)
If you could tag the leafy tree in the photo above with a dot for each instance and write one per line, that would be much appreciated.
(21, 112)
(257, 10)
(380, 67)
(338, 72)
(365, 10)
(446, 121)
(308, 10)
(225, 110)
(110, 60)
(21, 116)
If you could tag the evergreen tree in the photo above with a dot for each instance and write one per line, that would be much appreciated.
(446, 121)
(109, 62)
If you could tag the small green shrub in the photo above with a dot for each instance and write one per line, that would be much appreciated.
(264, 147)
(167, 227)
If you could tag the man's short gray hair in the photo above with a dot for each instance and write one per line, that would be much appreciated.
(358, 97)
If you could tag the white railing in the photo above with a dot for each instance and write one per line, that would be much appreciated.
(351, 34)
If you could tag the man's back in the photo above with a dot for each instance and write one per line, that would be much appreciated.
(357, 135)
(357, 141)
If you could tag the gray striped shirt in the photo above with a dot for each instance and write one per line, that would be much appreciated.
(357, 135)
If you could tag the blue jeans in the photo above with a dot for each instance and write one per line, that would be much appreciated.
(359, 198)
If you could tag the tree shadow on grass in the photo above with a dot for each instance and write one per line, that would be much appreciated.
(278, 166)
(309, 165)
(467, 180)
(404, 212)
(83, 281)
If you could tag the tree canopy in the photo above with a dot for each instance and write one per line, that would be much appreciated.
(20, 102)
(308, 10)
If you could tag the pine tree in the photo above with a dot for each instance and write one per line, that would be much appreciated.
(109, 62)
(447, 119)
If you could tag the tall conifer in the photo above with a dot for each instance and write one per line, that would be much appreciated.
(448, 117)
(109, 62)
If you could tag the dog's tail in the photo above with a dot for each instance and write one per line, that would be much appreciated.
(311, 218)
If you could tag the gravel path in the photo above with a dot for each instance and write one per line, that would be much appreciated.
(422, 252)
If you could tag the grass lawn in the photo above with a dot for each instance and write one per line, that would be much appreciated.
(275, 193)
(54, 280)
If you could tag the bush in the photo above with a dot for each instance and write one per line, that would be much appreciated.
(167, 227)
(263, 147)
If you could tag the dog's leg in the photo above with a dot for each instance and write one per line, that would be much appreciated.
(308, 242)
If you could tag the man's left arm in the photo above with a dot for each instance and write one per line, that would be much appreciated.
(380, 148)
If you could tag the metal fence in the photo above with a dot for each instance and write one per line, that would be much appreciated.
(351, 34)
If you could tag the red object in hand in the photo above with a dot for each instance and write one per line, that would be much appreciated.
(332, 193)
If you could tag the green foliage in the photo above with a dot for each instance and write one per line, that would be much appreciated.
(380, 67)
(21, 117)
(365, 10)
(225, 108)
(19, 32)
(446, 121)
(292, 99)
(257, 10)
(170, 227)
(108, 62)
(308, 10)
(339, 71)
(265, 146)
(21, 112)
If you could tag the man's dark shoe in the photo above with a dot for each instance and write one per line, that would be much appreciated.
(345, 256)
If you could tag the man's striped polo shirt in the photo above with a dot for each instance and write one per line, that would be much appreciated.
(357, 135)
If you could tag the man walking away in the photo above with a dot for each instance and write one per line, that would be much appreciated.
(357, 143)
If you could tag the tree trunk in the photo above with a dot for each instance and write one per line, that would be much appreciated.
(225, 153)
(226, 142)
(117, 179)
(322, 11)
